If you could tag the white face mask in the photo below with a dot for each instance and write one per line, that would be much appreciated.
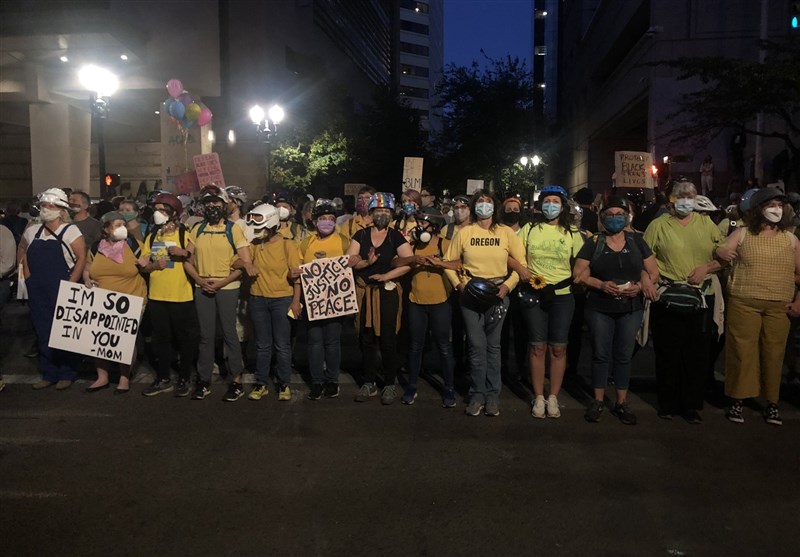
(283, 213)
(49, 215)
(160, 218)
(684, 206)
(773, 214)
(120, 233)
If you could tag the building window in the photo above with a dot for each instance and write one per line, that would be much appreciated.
(416, 71)
(540, 50)
(414, 27)
(416, 92)
(419, 7)
(411, 48)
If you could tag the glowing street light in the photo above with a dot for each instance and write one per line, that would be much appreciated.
(102, 84)
(266, 128)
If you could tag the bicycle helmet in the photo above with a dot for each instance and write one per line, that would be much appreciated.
(212, 192)
(703, 204)
(765, 195)
(169, 200)
(323, 207)
(381, 200)
(481, 294)
(235, 193)
(744, 202)
(554, 190)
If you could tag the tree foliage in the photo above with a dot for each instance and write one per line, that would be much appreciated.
(488, 121)
(733, 92)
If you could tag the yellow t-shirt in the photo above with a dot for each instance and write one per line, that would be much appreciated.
(119, 277)
(680, 249)
(484, 253)
(294, 231)
(354, 225)
(273, 260)
(550, 250)
(429, 285)
(213, 252)
(313, 247)
(170, 284)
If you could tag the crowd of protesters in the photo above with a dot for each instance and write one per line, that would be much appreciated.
(218, 272)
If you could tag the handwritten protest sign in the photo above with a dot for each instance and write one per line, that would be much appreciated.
(412, 173)
(96, 322)
(328, 288)
(186, 183)
(632, 169)
(353, 189)
(473, 186)
(208, 169)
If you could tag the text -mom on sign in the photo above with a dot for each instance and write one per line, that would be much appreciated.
(96, 322)
(633, 169)
(329, 288)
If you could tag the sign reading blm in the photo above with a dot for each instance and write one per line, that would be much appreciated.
(329, 288)
(96, 322)
(633, 169)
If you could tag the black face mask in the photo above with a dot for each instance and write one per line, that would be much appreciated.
(511, 218)
(213, 214)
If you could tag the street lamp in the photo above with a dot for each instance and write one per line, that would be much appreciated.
(102, 84)
(533, 161)
(266, 127)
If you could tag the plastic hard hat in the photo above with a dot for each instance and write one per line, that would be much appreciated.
(56, 196)
(263, 216)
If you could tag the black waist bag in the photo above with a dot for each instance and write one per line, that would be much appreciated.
(682, 298)
(528, 296)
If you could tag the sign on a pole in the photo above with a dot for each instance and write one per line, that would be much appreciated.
(329, 288)
(473, 186)
(412, 173)
(208, 170)
(96, 322)
(632, 169)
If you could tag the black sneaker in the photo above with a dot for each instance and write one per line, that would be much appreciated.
(771, 414)
(235, 392)
(594, 411)
(734, 413)
(331, 390)
(316, 392)
(622, 412)
(159, 386)
(693, 417)
(182, 388)
(201, 391)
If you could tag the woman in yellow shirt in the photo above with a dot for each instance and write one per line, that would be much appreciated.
(113, 266)
(428, 308)
(550, 247)
(324, 335)
(273, 294)
(483, 249)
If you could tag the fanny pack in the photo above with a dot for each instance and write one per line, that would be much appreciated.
(528, 296)
(682, 297)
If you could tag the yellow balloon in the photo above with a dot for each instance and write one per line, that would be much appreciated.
(192, 111)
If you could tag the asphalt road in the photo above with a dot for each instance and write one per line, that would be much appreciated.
(96, 474)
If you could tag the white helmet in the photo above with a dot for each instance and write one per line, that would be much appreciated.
(56, 196)
(263, 216)
(702, 204)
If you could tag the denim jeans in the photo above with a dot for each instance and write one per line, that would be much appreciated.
(550, 326)
(484, 353)
(273, 332)
(437, 318)
(324, 350)
(613, 340)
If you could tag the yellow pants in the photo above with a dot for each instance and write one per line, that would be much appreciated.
(755, 340)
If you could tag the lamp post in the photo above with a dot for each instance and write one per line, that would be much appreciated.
(266, 127)
(102, 84)
(533, 161)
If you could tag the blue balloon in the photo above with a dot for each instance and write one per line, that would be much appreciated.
(177, 110)
(186, 123)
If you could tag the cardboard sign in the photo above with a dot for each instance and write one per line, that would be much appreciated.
(96, 322)
(412, 173)
(208, 170)
(632, 169)
(353, 189)
(473, 186)
(329, 288)
(186, 182)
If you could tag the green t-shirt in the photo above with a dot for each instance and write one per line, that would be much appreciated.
(678, 248)
(550, 251)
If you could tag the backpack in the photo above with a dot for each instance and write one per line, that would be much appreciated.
(630, 244)
(307, 241)
(181, 236)
(132, 243)
(450, 229)
(228, 232)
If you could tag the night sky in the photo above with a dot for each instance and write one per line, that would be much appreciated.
(500, 27)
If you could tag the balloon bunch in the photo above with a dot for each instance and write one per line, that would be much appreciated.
(183, 109)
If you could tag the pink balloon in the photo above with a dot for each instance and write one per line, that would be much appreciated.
(205, 116)
(185, 98)
(174, 87)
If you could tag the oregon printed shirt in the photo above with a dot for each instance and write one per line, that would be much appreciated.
(484, 253)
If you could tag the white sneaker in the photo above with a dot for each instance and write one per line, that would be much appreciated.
(553, 410)
(538, 407)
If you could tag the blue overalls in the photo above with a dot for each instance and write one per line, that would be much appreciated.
(48, 268)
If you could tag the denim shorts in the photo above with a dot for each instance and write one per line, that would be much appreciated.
(551, 326)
